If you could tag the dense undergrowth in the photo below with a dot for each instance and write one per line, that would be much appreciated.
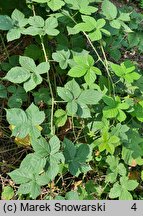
(71, 97)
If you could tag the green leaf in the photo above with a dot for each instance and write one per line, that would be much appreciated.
(90, 96)
(42, 68)
(65, 94)
(121, 115)
(35, 79)
(14, 101)
(25, 122)
(55, 4)
(19, 19)
(122, 190)
(29, 85)
(126, 71)
(77, 71)
(35, 116)
(107, 141)
(121, 169)
(69, 150)
(105, 32)
(87, 10)
(50, 26)
(130, 185)
(16, 116)
(27, 63)
(42, 179)
(36, 21)
(109, 10)
(72, 195)
(83, 27)
(54, 144)
(33, 52)
(93, 27)
(125, 195)
(133, 39)
(120, 131)
(96, 70)
(82, 6)
(73, 87)
(62, 57)
(42, 96)
(115, 191)
(33, 31)
(76, 157)
(82, 153)
(72, 108)
(138, 111)
(13, 34)
(35, 190)
(132, 76)
(25, 188)
(74, 168)
(7, 193)
(59, 198)
(52, 170)
(90, 77)
(117, 69)
(100, 23)
(96, 35)
(115, 168)
(17, 15)
(30, 175)
(21, 176)
(40, 146)
(114, 108)
(109, 101)
(84, 63)
(124, 17)
(90, 22)
(83, 111)
(6, 22)
(37, 163)
(109, 112)
(3, 91)
(40, 1)
(61, 117)
(115, 24)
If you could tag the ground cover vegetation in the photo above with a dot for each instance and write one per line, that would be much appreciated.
(71, 94)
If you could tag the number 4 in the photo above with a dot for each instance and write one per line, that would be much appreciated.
(134, 207)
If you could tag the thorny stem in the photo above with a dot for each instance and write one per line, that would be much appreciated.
(91, 44)
(5, 49)
(50, 86)
(105, 64)
(107, 69)
(73, 128)
(48, 79)
(79, 133)
(52, 96)
(33, 9)
(88, 39)
(99, 58)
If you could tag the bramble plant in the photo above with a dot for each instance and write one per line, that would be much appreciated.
(73, 101)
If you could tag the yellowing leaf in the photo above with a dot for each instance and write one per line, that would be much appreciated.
(39, 127)
(23, 141)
